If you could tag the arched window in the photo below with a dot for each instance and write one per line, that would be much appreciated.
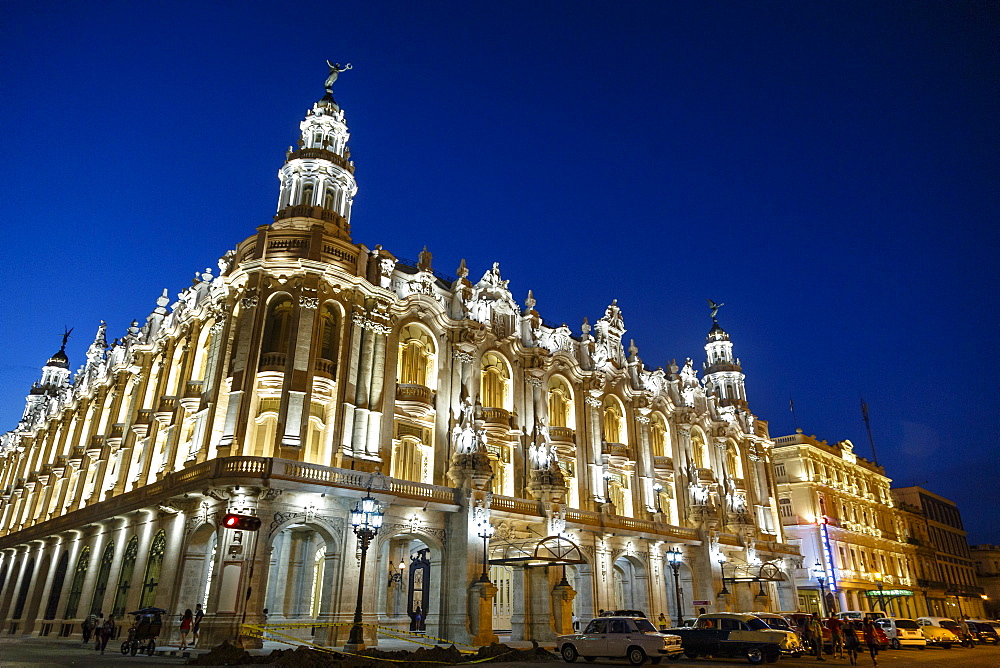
(22, 596)
(329, 338)
(493, 383)
(698, 449)
(329, 200)
(277, 331)
(57, 582)
(307, 194)
(125, 578)
(613, 432)
(152, 578)
(416, 357)
(733, 461)
(76, 588)
(560, 403)
(658, 436)
(103, 573)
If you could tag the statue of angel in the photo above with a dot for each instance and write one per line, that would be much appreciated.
(335, 70)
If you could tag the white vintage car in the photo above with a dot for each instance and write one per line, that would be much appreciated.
(633, 638)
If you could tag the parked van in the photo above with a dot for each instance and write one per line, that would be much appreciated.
(902, 632)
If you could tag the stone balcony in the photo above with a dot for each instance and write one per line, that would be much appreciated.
(562, 434)
(616, 450)
(663, 463)
(272, 362)
(325, 368)
(497, 416)
(164, 413)
(192, 396)
(414, 392)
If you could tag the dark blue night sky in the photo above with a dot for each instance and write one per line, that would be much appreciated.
(828, 170)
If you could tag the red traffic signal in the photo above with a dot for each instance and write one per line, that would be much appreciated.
(241, 522)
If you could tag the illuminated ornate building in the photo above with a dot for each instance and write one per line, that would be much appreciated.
(280, 384)
(838, 509)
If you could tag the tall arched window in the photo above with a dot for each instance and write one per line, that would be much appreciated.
(103, 573)
(76, 588)
(22, 595)
(416, 357)
(658, 436)
(125, 578)
(57, 582)
(493, 382)
(698, 449)
(307, 193)
(151, 580)
(613, 431)
(277, 331)
(408, 462)
(560, 403)
(328, 199)
(329, 337)
(733, 461)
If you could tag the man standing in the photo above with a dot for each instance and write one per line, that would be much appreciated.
(836, 636)
(815, 631)
(198, 614)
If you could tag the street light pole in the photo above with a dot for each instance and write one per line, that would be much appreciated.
(881, 598)
(722, 569)
(366, 520)
(674, 561)
(820, 574)
(486, 532)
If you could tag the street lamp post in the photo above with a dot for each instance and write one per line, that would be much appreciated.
(881, 598)
(485, 532)
(722, 569)
(674, 561)
(366, 520)
(820, 573)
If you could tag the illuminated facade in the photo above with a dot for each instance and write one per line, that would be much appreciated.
(837, 507)
(279, 384)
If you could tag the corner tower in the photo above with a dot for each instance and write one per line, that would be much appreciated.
(54, 381)
(723, 374)
(317, 179)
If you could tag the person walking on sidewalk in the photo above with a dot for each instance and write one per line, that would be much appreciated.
(836, 636)
(196, 629)
(106, 632)
(871, 639)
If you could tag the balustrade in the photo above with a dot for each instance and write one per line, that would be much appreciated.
(413, 392)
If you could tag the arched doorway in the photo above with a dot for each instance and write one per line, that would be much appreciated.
(303, 578)
(418, 582)
(198, 566)
(680, 592)
(630, 590)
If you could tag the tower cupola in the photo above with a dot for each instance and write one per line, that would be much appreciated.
(723, 374)
(317, 179)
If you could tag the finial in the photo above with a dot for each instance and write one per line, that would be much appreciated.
(424, 259)
(335, 70)
(462, 271)
(715, 310)
(530, 301)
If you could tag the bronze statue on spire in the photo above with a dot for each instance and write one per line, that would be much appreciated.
(335, 70)
(715, 309)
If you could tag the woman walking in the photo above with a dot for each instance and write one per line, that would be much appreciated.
(186, 621)
(851, 642)
(871, 639)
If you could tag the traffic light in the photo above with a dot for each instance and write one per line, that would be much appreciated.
(241, 522)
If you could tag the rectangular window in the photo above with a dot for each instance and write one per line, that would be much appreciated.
(785, 507)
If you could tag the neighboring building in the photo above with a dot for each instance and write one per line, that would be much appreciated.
(987, 560)
(947, 581)
(279, 385)
(837, 508)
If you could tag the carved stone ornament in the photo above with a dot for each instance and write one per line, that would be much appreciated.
(592, 401)
(463, 356)
(309, 302)
(249, 302)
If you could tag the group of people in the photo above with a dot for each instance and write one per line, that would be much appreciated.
(848, 637)
(102, 630)
(191, 623)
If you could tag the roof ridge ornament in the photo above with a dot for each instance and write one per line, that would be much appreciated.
(335, 70)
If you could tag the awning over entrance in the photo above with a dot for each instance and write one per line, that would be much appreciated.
(548, 551)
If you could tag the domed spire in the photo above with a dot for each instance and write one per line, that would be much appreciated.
(59, 358)
(723, 374)
(317, 179)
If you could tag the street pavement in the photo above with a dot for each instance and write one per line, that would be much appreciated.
(55, 653)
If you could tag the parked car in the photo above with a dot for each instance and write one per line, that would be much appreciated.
(623, 613)
(861, 615)
(938, 635)
(731, 634)
(983, 631)
(780, 623)
(633, 638)
(902, 632)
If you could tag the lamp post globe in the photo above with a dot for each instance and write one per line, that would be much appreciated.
(674, 561)
(820, 574)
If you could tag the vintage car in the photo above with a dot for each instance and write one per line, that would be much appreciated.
(902, 632)
(936, 634)
(633, 638)
(983, 631)
(732, 634)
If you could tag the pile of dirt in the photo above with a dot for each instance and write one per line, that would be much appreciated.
(228, 654)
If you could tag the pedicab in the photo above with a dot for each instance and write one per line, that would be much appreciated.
(143, 632)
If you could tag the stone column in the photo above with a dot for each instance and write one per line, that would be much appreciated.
(481, 596)
(538, 602)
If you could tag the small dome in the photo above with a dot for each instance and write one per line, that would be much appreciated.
(717, 333)
(59, 359)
